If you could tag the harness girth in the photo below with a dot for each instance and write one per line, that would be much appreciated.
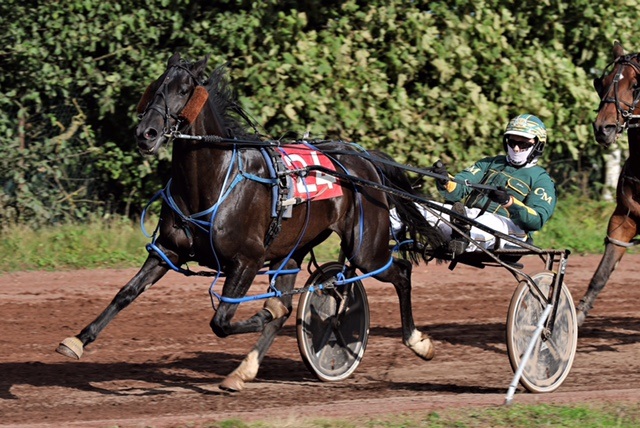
(280, 193)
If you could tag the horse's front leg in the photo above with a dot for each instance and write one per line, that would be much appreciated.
(623, 229)
(276, 311)
(399, 274)
(236, 285)
(152, 270)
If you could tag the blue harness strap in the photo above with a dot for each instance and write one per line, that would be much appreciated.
(204, 221)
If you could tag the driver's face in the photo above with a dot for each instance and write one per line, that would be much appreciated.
(519, 143)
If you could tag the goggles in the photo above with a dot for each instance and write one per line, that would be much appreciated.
(522, 145)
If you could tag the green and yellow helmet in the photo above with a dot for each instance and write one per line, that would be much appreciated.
(528, 126)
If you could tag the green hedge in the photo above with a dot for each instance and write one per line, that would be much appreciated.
(420, 80)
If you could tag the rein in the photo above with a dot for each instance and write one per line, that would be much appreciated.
(626, 113)
(214, 139)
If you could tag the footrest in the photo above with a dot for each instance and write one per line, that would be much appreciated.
(458, 246)
(480, 260)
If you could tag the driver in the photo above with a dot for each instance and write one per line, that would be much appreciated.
(524, 198)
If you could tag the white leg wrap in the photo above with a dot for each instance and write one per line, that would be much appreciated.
(248, 368)
(246, 371)
(421, 344)
(276, 307)
(71, 347)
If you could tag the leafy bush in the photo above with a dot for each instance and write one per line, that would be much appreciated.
(420, 80)
(578, 224)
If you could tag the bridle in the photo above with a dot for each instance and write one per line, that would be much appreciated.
(624, 109)
(187, 113)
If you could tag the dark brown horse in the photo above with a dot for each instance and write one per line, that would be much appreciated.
(218, 211)
(619, 90)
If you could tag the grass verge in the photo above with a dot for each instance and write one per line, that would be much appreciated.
(578, 224)
(516, 416)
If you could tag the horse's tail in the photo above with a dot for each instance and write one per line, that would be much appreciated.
(419, 230)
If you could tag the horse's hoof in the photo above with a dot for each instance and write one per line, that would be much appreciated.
(422, 345)
(232, 384)
(428, 350)
(71, 347)
(581, 316)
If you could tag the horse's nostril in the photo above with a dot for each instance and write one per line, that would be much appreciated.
(610, 130)
(150, 134)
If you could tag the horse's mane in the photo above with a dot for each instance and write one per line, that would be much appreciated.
(224, 101)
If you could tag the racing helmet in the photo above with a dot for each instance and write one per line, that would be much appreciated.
(528, 126)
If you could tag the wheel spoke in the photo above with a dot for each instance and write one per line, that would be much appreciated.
(324, 340)
(553, 347)
(323, 306)
(527, 328)
(533, 360)
(343, 344)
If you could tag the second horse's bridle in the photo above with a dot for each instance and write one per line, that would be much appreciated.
(623, 108)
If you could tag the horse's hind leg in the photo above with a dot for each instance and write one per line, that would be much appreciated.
(150, 272)
(399, 274)
(279, 310)
(623, 229)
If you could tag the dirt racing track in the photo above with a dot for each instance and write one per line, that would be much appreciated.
(158, 363)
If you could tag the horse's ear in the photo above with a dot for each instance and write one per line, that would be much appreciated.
(175, 59)
(200, 66)
(618, 50)
(597, 84)
(148, 94)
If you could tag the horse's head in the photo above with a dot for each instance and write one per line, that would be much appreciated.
(170, 103)
(619, 92)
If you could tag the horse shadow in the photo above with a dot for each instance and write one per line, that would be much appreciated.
(484, 336)
(196, 373)
(607, 333)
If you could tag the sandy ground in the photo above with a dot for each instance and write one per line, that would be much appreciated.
(158, 364)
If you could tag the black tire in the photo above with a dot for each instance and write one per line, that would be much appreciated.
(331, 340)
(551, 359)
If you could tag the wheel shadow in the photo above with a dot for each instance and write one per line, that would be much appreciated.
(596, 334)
(485, 336)
(445, 388)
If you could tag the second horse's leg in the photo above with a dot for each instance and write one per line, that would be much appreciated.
(620, 228)
(608, 263)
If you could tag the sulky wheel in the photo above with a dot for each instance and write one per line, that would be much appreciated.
(332, 325)
(552, 357)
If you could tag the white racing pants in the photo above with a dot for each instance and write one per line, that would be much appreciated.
(484, 239)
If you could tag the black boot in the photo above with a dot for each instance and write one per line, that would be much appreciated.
(459, 241)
